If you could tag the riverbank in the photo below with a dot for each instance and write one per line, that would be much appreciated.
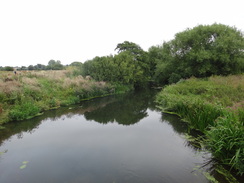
(29, 93)
(215, 106)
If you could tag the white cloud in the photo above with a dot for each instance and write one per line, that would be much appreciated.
(35, 31)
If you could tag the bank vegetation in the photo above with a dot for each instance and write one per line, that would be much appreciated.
(214, 106)
(29, 93)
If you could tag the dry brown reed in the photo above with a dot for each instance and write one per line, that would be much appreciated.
(73, 82)
(54, 75)
(29, 81)
(10, 87)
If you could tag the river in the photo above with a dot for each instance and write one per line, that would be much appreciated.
(114, 139)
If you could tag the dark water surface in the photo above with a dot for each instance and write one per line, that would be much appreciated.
(113, 139)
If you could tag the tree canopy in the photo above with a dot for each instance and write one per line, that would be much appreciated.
(202, 51)
(55, 65)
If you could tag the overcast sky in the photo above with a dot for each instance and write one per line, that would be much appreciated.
(36, 31)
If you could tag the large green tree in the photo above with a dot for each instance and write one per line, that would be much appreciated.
(202, 51)
(139, 56)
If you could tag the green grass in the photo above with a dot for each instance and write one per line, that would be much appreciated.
(215, 106)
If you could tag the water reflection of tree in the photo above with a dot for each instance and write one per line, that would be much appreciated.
(126, 110)
(19, 128)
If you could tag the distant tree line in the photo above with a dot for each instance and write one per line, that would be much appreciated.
(52, 65)
(202, 51)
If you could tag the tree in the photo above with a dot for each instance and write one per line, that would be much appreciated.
(127, 70)
(55, 65)
(122, 68)
(23, 68)
(154, 57)
(8, 68)
(203, 51)
(30, 67)
(40, 67)
(129, 46)
(76, 64)
(140, 57)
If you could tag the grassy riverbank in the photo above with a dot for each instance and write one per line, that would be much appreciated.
(28, 94)
(215, 106)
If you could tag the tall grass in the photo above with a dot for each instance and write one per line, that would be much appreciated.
(29, 93)
(214, 106)
(226, 140)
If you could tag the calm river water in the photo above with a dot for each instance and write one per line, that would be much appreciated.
(114, 139)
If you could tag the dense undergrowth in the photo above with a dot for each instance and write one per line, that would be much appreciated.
(215, 106)
(28, 94)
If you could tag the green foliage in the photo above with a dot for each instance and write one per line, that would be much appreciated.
(7, 68)
(77, 68)
(192, 109)
(100, 68)
(215, 107)
(122, 68)
(140, 57)
(76, 64)
(55, 65)
(129, 66)
(202, 51)
(39, 67)
(226, 140)
(131, 47)
(25, 110)
(34, 67)
(30, 67)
